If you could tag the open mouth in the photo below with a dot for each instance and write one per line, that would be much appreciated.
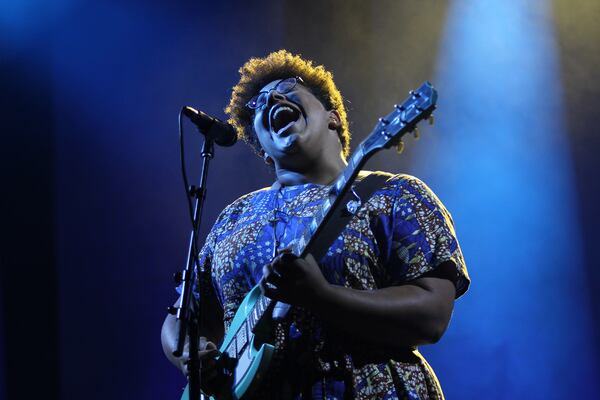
(282, 117)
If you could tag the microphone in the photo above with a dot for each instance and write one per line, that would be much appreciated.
(213, 128)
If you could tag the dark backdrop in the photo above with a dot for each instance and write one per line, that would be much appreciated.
(94, 218)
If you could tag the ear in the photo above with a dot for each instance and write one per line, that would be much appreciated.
(267, 159)
(335, 122)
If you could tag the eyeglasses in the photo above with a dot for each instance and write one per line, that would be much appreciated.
(283, 86)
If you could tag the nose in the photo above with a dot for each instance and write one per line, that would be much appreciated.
(273, 97)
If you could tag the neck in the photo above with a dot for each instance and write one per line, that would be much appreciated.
(322, 173)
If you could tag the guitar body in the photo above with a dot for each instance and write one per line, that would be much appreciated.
(253, 354)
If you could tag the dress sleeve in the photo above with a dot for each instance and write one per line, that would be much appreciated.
(423, 236)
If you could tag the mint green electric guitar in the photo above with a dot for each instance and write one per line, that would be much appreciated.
(246, 340)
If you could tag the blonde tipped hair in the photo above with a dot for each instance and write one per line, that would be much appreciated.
(257, 72)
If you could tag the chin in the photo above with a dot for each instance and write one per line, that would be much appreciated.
(291, 143)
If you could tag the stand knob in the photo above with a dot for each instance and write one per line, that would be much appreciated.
(172, 310)
(178, 277)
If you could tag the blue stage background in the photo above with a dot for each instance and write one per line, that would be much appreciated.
(95, 216)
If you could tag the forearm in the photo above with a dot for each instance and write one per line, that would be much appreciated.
(168, 338)
(399, 316)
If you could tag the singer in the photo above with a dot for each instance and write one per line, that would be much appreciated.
(387, 284)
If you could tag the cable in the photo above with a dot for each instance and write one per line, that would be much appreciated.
(188, 196)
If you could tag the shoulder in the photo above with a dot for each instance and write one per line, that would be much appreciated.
(403, 186)
(403, 193)
(234, 213)
(405, 182)
(409, 186)
(413, 198)
(242, 205)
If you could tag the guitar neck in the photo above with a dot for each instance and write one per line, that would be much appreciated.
(312, 239)
(315, 243)
(320, 234)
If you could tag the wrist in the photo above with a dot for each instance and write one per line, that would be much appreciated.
(321, 299)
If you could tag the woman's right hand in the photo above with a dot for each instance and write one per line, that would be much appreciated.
(212, 379)
(207, 351)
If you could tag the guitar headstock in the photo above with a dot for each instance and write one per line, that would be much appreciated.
(404, 118)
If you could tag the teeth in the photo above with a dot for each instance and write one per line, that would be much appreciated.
(281, 109)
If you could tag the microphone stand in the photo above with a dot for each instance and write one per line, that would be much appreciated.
(189, 311)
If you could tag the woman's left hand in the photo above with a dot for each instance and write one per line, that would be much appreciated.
(293, 280)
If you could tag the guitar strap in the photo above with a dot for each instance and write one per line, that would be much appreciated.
(367, 182)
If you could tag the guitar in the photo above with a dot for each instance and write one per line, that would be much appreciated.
(245, 342)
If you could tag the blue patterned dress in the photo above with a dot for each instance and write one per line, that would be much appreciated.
(400, 234)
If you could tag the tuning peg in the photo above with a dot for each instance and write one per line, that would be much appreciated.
(384, 121)
(414, 94)
(431, 119)
(400, 147)
(399, 107)
(416, 133)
